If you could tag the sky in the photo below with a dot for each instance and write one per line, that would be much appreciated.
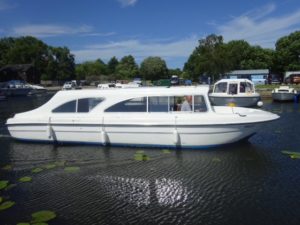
(170, 29)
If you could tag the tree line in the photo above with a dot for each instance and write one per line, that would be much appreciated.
(212, 57)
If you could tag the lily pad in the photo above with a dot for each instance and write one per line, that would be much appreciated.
(37, 170)
(25, 179)
(60, 163)
(50, 166)
(6, 205)
(10, 186)
(3, 184)
(141, 157)
(72, 169)
(42, 216)
(7, 167)
(216, 160)
(23, 223)
(166, 151)
(290, 153)
(295, 156)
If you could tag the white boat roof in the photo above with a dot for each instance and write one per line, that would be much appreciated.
(235, 80)
(138, 91)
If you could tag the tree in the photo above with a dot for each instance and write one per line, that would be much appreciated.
(127, 68)
(210, 58)
(153, 68)
(287, 56)
(91, 68)
(112, 65)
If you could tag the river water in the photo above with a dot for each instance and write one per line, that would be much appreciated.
(244, 184)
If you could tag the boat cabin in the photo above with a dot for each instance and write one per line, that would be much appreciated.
(234, 86)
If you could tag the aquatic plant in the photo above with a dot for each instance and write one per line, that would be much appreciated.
(166, 151)
(42, 216)
(3, 184)
(72, 169)
(6, 205)
(216, 159)
(25, 179)
(1, 199)
(10, 186)
(293, 155)
(23, 223)
(7, 167)
(140, 156)
(50, 166)
(37, 170)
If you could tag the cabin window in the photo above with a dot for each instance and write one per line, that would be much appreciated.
(131, 105)
(181, 103)
(199, 104)
(221, 87)
(87, 104)
(249, 87)
(158, 104)
(243, 87)
(233, 89)
(69, 107)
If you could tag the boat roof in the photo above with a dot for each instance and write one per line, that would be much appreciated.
(235, 80)
(137, 91)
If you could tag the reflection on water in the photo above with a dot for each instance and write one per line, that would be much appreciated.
(245, 183)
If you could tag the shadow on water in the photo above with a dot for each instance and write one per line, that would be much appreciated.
(245, 183)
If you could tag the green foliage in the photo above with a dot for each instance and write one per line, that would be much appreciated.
(153, 68)
(127, 68)
(50, 63)
(112, 65)
(287, 56)
(90, 68)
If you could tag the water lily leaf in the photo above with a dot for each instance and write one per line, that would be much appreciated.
(166, 151)
(60, 163)
(42, 216)
(10, 186)
(295, 156)
(139, 152)
(37, 170)
(6, 205)
(25, 179)
(7, 167)
(50, 166)
(3, 184)
(216, 160)
(72, 169)
(290, 153)
(141, 157)
(23, 223)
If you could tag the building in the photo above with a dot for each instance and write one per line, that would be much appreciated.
(256, 76)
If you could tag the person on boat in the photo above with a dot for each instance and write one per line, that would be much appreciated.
(187, 104)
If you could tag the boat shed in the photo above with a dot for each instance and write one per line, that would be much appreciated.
(258, 76)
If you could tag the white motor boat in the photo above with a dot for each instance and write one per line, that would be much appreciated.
(36, 89)
(106, 85)
(238, 92)
(284, 93)
(148, 116)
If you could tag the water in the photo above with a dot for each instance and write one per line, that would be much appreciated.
(246, 183)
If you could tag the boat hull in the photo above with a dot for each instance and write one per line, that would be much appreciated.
(16, 91)
(190, 136)
(238, 101)
(283, 96)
